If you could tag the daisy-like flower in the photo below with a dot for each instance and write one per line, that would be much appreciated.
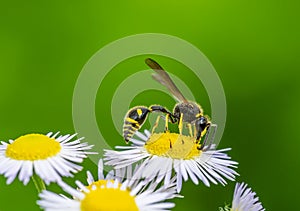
(244, 199)
(111, 193)
(47, 156)
(161, 153)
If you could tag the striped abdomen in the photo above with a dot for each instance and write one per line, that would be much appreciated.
(134, 120)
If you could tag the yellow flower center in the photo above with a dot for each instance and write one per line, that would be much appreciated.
(102, 198)
(173, 145)
(33, 147)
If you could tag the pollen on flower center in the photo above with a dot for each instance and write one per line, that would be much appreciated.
(172, 145)
(103, 198)
(33, 147)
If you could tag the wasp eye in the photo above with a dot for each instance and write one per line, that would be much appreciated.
(203, 120)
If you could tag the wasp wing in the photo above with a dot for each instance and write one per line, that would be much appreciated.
(162, 77)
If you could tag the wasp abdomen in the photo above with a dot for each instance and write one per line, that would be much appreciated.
(134, 120)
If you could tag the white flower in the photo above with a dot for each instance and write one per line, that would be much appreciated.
(245, 200)
(47, 156)
(110, 193)
(160, 153)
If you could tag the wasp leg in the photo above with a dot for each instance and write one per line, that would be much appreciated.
(205, 139)
(190, 129)
(166, 123)
(202, 125)
(180, 123)
(208, 142)
(158, 108)
(195, 131)
(156, 124)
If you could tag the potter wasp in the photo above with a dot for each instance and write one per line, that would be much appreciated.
(185, 111)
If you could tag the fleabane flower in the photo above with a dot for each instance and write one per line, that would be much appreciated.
(48, 156)
(118, 191)
(162, 153)
(244, 199)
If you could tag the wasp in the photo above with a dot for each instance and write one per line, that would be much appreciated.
(184, 111)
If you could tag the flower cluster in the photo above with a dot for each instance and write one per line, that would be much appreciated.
(146, 175)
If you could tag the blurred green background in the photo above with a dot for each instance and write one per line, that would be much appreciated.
(253, 45)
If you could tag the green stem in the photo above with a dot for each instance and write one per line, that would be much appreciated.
(38, 183)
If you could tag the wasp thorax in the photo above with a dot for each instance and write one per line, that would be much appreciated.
(190, 111)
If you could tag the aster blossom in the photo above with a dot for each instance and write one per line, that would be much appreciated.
(161, 154)
(50, 157)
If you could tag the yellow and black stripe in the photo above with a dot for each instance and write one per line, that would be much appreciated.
(134, 120)
(136, 116)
